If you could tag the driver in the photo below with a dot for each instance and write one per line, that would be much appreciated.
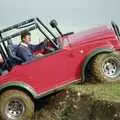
(25, 49)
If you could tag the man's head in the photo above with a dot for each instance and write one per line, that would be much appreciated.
(26, 37)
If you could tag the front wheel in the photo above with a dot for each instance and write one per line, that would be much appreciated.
(16, 105)
(106, 67)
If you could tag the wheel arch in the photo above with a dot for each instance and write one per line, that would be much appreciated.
(90, 57)
(19, 86)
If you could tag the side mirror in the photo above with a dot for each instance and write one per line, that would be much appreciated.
(53, 23)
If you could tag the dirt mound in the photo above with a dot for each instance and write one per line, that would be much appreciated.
(88, 102)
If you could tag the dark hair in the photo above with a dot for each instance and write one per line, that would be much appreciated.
(25, 34)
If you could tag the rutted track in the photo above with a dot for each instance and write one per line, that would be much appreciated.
(82, 103)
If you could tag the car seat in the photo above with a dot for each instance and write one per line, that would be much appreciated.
(12, 49)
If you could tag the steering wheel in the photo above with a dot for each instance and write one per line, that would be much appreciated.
(47, 47)
(116, 29)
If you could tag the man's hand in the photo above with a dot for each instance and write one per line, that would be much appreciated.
(39, 54)
(1, 59)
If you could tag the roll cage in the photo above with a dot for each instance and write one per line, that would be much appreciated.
(116, 29)
(28, 25)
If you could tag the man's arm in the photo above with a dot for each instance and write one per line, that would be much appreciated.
(36, 47)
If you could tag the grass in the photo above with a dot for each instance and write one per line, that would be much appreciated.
(109, 92)
(99, 100)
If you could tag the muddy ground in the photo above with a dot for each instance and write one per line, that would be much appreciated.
(87, 102)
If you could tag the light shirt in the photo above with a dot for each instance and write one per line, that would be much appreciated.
(24, 44)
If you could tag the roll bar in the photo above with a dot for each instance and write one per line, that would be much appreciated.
(28, 25)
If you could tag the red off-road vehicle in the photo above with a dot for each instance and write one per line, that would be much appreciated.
(68, 58)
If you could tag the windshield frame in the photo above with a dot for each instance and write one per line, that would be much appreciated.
(116, 30)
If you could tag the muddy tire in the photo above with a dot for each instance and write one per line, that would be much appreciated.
(16, 105)
(106, 67)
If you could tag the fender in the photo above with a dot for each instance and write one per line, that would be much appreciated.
(18, 85)
(93, 54)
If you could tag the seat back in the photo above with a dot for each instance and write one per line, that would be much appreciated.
(12, 49)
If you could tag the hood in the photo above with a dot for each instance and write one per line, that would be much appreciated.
(98, 33)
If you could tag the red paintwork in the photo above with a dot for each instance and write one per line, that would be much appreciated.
(65, 65)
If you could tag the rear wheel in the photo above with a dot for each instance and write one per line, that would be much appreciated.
(16, 105)
(106, 67)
